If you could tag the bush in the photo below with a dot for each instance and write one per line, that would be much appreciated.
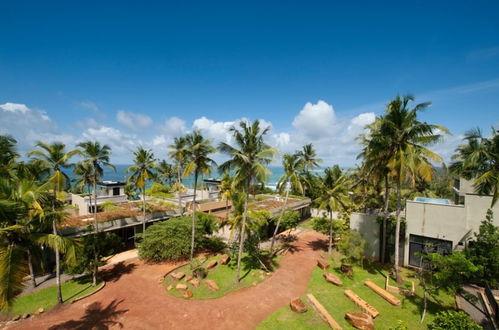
(171, 239)
(159, 190)
(290, 219)
(322, 225)
(109, 206)
(352, 246)
(451, 320)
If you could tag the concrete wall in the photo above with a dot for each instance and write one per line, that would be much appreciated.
(476, 208)
(368, 227)
(83, 202)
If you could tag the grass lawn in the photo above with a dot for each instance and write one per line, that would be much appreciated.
(337, 304)
(47, 298)
(223, 275)
(309, 224)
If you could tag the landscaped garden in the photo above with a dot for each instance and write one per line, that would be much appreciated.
(332, 297)
(213, 277)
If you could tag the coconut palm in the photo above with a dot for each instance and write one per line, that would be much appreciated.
(54, 158)
(142, 171)
(198, 150)
(479, 160)
(166, 172)
(291, 179)
(335, 196)
(95, 156)
(248, 160)
(225, 188)
(308, 157)
(8, 155)
(177, 153)
(405, 139)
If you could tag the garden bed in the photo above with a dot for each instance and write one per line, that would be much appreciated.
(223, 275)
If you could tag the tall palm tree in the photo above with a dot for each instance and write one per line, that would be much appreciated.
(83, 177)
(95, 156)
(335, 196)
(406, 139)
(248, 160)
(308, 158)
(478, 159)
(166, 172)
(142, 171)
(55, 158)
(291, 179)
(225, 187)
(177, 153)
(8, 155)
(198, 150)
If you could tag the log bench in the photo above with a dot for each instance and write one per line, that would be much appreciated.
(362, 304)
(323, 312)
(383, 293)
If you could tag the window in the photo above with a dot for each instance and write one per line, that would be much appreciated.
(421, 244)
(116, 191)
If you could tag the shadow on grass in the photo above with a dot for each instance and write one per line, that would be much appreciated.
(433, 305)
(114, 273)
(95, 317)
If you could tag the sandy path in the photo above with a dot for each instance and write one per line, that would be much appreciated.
(135, 299)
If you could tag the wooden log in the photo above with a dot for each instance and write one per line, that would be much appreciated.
(323, 312)
(384, 294)
(362, 304)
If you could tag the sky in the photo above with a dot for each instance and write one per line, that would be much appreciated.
(140, 73)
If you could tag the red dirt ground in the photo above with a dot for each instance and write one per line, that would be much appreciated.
(134, 298)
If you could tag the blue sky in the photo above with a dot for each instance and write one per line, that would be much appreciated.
(131, 73)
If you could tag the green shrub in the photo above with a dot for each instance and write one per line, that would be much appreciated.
(352, 246)
(109, 206)
(171, 239)
(290, 219)
(322, 225)
(451, 320)
(159, 190)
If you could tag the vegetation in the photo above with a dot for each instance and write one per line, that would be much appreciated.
(177, 153)
(452, 320)
(352, 246)
(159, 190)
(169, 240)
(248, 160)
(44, 298)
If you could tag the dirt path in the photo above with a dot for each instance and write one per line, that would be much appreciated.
(135, 299)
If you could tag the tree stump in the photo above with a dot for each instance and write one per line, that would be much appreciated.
(346, 269)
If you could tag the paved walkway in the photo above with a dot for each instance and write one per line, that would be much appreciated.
(134, 298)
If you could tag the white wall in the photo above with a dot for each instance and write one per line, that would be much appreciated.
(368, 227)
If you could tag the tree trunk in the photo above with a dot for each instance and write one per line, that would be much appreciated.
(385, 216)
(57, 268)
(31, 270)
(179, 183)
(143, 209)
(330, 247)
(96, 229)
(397, 234)
(194, 213)
(241, 241)
(279, 221)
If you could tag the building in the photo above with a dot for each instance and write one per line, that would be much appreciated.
(107, 191)
(436, 225)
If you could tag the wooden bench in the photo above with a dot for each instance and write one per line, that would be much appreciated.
(323, 312)
(383, 293)
(362, 304)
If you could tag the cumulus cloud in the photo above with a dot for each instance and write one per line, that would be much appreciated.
(218, 131)
(174, 126)
(133, 121)
(315, 121)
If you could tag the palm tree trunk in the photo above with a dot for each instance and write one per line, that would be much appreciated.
(330, 247)
(143, 209)
(31, 271)
(57, 254)
(194, 214)
(397, 234)
(279, 221)
(179, 183)
(385, 216)
(243, 225)
(96, 230)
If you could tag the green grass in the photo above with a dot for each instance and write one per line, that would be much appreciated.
(309, 224)
(337, 304)
(223, 275)
(47, 298)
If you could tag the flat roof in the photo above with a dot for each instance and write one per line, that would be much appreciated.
(111, 183)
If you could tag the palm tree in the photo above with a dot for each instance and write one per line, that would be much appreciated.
(177, 153)
(309, 157)
(248, 160)
(166, 172)
(142, 171)
(479, 160)
(95, 156)
(8, 155)
(335, 196)
(291, 179)
(84, 177)
(197, 154)
(225, 191)
(405, 139)
(54, 157)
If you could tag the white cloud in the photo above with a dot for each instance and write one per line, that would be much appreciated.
(218, 131)
(315, 121)
(14, 107)
(133, 121)
(174, 126)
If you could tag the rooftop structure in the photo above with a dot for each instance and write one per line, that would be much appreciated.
(112, 191)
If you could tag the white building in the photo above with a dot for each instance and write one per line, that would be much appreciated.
(111, 191)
